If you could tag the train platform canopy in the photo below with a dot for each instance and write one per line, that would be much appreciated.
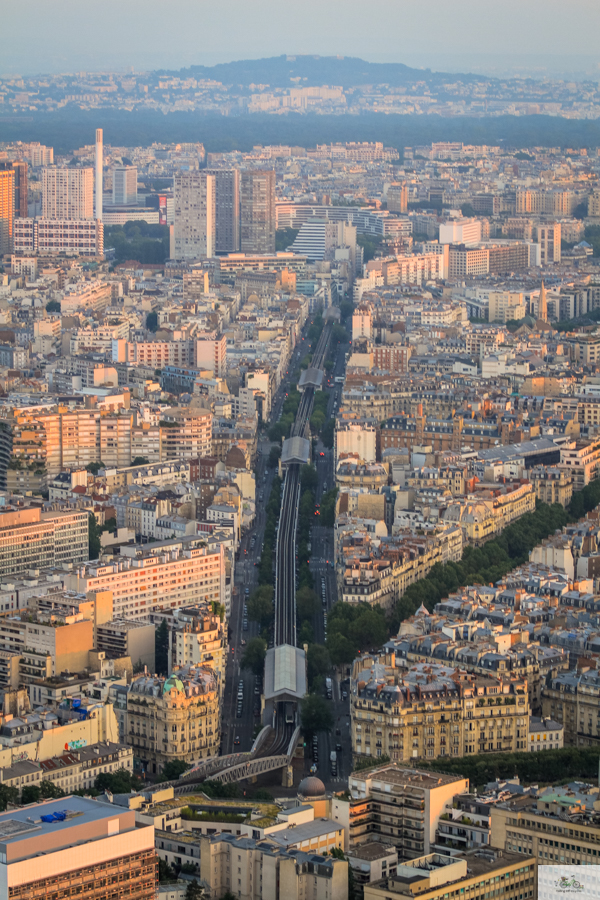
(311, 378)
(295, 450)
(285, 673)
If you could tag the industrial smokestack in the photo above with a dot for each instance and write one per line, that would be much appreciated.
(99, 161)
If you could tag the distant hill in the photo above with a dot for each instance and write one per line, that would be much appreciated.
(346, 71)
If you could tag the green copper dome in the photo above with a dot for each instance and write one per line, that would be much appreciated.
(173, 683)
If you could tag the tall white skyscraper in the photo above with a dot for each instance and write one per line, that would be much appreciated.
(194, 225)
(99, 164)
(67, 193)
(124, 185)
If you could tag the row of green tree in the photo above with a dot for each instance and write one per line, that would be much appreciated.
(120, 782)
(546, 766)
(95, 530)
(265, 568)
(482, 565)
(492, 561)
(282, 428)
(328, 501)
(354, 629)
(309, 481)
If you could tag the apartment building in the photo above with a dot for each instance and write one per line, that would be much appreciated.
(460, 231)
(46, 849)
(194, 222)
(451, 478)
(35, 737)
(39, 155)
(581, 462)
(73, 770)
(7, 206)
(571, 699)
(53, 441)
(549, 238)
(557, 827)
(88, 296)
(67, 192)
(160, 576)
(32, 538)
(257, 222)
(362, 324)
(356, 438)
(124, 187)
(477, 873)
(584, 349)
(186, 433)
(198, 638)
(391, 357)
(434, 710)
(382, 578)
(509, 256)
(227, 203)
(544, 734)
(463, 261)
(415, 268)
(121, 638)
(506, 305)
(397, 198)
(210, 352)
(74, 237)
(496, 509)
(561, 203)
(551, 484)
(259, 261)
(594, 205)
(154, 354)
(399, 806)
(174, 718)
(449, 433)
(47, 645)
(253, 869)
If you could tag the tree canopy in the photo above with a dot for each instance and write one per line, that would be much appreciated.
(161, 648)
(353, 628)
(315, 715)
(260, 606)
(254, 655)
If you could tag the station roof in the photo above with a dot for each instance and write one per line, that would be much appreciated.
(295, 450)
(285, 673)
(311, 378)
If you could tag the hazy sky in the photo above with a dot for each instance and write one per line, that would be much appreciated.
(476, 35)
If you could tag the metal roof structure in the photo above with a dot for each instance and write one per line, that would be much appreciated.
(524, 449)
(295, 450)
(285, 673)
(311, 378)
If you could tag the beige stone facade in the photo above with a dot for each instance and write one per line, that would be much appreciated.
(433, 711)
(174, 718)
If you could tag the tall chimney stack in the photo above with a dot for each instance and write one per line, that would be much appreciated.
(99, 161)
